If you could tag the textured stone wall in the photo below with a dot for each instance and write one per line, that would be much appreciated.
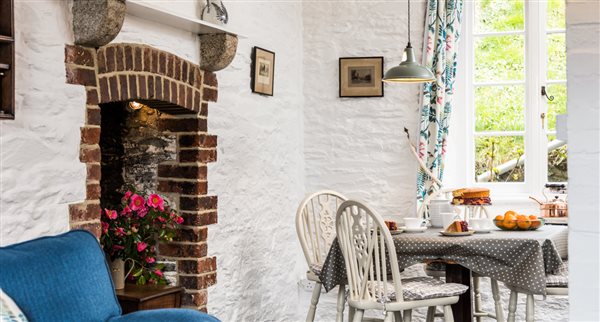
(357, 145)
(583, 130)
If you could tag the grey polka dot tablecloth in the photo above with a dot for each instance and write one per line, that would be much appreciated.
(518, 258)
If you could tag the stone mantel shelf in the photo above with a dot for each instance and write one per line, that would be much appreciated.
(153, 13)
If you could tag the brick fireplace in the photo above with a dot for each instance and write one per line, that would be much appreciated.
(176, 93)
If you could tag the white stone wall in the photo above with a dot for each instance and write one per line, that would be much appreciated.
(583, 128)
(357, 145)
(259, 175)
(40, 172)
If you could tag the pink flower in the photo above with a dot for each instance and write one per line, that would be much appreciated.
(142, 212)
(155, 201)
(117, 247)
(150, 260)
(120, 231)
(158, 272)
(126, 210)
(104, 227)
(179, 220)
(111, 214)
(161, 219)
(141, 246)
(127, 195)
(137, 202)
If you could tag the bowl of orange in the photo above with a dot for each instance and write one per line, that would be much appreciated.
(513, 221)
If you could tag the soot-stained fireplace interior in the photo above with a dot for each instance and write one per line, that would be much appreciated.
(132, 146)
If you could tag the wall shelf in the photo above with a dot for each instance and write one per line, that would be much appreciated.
(156, 14)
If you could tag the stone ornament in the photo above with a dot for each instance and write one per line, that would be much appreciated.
(217, 51)
(98, 22)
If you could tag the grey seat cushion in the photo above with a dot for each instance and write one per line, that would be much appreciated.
(560, 279)
(423, 288)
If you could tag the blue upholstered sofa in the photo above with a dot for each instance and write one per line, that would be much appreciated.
(66, 279)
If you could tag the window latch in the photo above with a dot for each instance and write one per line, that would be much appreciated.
(543, 117)
(544, 93)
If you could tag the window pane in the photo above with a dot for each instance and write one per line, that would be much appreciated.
(500, 108)
(557, 57)
(496, 158)
(555, 11)
(499, 58)
(558, 105)
(499, 15)
(557, 160)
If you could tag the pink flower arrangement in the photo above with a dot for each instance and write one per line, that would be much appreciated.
(133, 229)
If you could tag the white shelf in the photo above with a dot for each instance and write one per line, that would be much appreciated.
(153, 13)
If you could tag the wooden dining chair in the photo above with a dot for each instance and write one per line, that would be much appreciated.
(556, 284)
(315, 225)
(437, 269)
(368, 249)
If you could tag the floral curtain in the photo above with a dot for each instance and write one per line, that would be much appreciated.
(441, 35)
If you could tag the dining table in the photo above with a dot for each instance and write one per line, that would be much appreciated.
(519, 259)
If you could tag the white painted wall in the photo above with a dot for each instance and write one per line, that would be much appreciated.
(583, 128)
(357, 145)
(40, 172)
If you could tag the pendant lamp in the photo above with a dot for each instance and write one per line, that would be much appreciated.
(409, 71)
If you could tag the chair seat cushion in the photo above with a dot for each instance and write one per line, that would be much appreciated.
(560, 279)
(423, 288)
(316, 268)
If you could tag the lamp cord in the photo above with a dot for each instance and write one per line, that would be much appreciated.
(409, 24)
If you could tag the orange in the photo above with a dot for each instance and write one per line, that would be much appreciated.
(499, 218)
(509, 224)
(533, 217)
(536, 223)
(510, 213)
(524, 224)
(521, 217)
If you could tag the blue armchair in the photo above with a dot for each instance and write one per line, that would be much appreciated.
(65, 278)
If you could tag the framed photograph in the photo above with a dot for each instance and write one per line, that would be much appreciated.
(263, 69)
(361, 77)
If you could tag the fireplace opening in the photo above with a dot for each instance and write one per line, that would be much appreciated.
(132, 146)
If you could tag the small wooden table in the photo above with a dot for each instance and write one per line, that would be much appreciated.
(147, 297)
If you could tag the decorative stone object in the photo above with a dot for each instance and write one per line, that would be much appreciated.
(96, 23)
(217, 51)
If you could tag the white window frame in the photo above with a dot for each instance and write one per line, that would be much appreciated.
(535, 136)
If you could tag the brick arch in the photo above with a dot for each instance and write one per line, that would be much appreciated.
(181, 90)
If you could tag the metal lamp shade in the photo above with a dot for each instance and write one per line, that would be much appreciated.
(409, 71)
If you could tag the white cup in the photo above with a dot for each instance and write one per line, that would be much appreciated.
(414, 223)
(448, 218)
(480, 223)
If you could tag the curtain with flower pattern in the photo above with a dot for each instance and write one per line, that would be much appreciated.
(442, 32)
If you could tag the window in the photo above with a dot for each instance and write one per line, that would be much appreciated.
(513, 48)
(7, 60)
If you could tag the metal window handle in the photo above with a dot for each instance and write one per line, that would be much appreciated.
(544, 93)
(543, 117)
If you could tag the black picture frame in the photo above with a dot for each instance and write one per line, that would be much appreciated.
(370, 84)
(263, 61)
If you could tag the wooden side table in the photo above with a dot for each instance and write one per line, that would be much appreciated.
(147, 297)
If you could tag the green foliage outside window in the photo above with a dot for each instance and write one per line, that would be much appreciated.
(502, 108)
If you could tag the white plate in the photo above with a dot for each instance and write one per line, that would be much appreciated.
(483, 230)
(396, 232)
(457, 234)
(413, 230)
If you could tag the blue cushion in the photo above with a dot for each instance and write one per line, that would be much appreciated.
(61, 278)
(164, 315)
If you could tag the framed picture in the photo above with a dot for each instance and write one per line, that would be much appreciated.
(361, 77)
(263, 69)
